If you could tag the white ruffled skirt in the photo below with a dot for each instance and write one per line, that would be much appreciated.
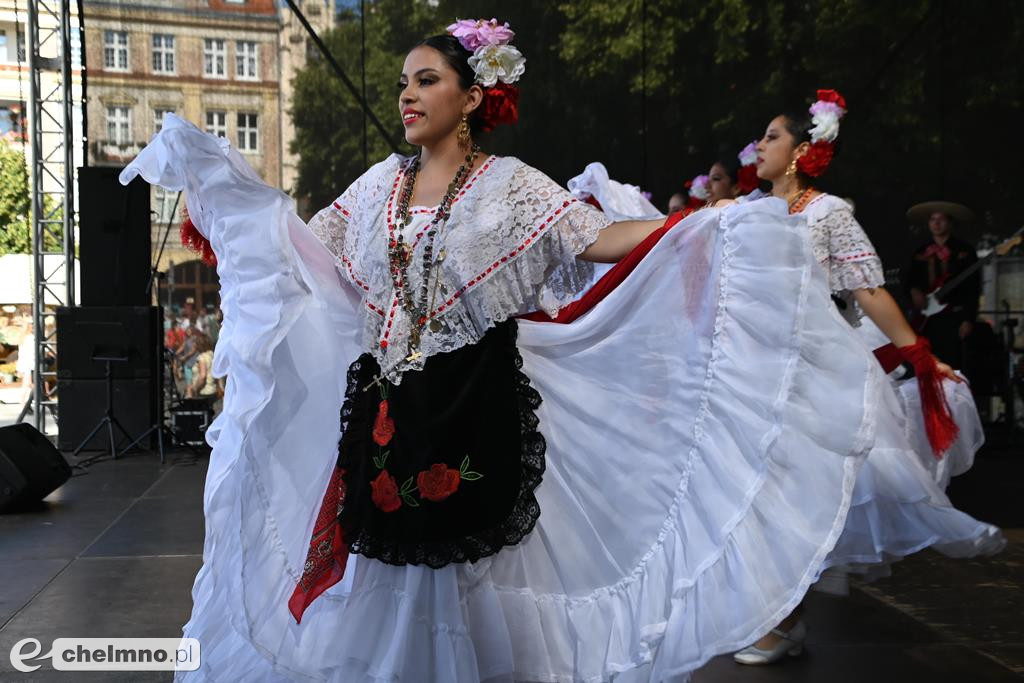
(704, 423)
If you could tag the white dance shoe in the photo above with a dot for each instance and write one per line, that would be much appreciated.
(791, 644)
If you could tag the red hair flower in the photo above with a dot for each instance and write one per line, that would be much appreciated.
(500, 105)
(746, 179)
(437, 483)
(384, 492)
(831, 96)
(383, 426)
(817, 158)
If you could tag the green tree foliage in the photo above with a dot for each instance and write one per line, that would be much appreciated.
(15, 202)
(329, 121)
(658, 89)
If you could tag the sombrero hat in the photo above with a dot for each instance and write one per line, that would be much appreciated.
(920, 213)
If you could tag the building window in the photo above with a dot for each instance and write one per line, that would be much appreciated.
(115, 50)
(119, 125)
(217, 123)
(163, 205)
(246, 60)
(12, 121)
(215, 56)
(163, 53)
(248, 133)
(158, 117)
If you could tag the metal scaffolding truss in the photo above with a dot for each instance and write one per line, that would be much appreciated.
(51, 127)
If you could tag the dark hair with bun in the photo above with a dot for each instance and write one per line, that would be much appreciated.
(457, 58)
(798, 124)
(731, 165)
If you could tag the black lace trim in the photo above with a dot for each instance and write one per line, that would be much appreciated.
(521, 519)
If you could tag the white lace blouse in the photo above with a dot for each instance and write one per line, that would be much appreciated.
(510, 248)
(843, 250)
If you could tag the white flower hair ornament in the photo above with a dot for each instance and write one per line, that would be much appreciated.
(494, 60)
(829, 107)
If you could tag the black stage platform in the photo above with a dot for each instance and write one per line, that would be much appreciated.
(114, 551)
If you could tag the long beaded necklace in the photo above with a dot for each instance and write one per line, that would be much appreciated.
(801, 201)
(400, 252)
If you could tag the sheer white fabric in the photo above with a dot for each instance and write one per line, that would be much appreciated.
(618, 201)
(686, 417)
(899, 504)
(960, 456)
(843, 250)
(510, 244)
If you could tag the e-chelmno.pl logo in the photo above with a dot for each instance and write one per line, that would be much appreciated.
(109, 654)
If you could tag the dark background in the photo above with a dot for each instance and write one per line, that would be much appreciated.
(656, 90)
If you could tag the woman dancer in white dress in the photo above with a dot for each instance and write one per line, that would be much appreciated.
(734, 178)
(621, 497)
(897, 509)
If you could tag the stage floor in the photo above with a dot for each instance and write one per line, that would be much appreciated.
(114, 551)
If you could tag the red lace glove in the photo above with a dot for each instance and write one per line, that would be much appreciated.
(938, 420)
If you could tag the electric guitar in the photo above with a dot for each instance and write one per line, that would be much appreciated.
(935, 301)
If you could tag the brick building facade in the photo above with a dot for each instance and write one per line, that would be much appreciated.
(224, 65)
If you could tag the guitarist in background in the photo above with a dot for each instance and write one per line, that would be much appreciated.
(939, 260)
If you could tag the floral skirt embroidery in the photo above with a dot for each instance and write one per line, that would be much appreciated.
(441, 468)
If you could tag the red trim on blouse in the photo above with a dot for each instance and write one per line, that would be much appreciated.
(389, 214)
(352, 273)
(474, 281)
(855, 257)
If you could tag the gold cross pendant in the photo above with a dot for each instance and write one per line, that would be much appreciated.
(415, 355)
(376, 381)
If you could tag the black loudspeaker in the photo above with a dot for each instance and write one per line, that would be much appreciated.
(190, 420)
(30, 467)
(113, 239)
(87, 331)
(82, 402)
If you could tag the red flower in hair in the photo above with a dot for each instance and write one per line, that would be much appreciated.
(831, 96)
(384, 492)
(500, 105)
(746, 179)
(437, 483)
(817, 158)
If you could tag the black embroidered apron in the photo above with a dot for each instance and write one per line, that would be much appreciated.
(441, 468)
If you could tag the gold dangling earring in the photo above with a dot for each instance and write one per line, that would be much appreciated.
(465, 138)
(791, 169)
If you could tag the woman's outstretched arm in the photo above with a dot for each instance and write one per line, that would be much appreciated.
(618, 239)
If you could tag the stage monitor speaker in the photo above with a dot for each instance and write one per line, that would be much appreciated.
(86, 331)
(30, 467)
(83, 401)
(114, 238)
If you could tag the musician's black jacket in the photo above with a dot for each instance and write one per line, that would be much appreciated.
(925, 271)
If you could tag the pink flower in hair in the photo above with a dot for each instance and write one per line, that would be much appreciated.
(748, 155)
(476, 33)
(699, 187)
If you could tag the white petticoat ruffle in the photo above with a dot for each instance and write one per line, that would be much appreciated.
(686, 417)
(899, 505)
